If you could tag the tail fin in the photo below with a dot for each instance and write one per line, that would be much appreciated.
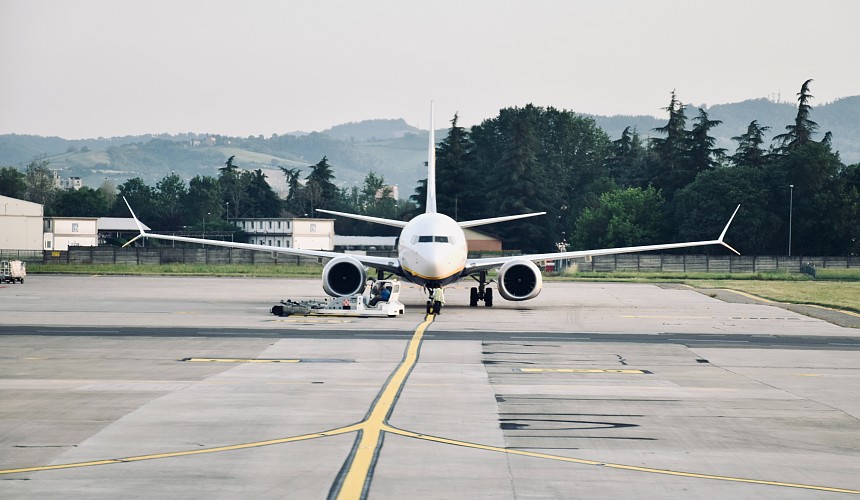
(431, 167)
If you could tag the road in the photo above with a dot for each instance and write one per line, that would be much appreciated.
(142, 387)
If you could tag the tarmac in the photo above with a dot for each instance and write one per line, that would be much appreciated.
(152, 387)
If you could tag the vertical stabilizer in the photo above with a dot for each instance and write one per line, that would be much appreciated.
(431, 167)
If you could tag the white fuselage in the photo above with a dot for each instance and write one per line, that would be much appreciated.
(432, 250)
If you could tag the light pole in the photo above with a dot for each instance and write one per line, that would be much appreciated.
(790, 213)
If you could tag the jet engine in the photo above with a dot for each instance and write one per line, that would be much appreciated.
(519, 280)
(344, 276)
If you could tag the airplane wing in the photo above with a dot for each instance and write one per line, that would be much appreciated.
(485, 264)
(388, 264)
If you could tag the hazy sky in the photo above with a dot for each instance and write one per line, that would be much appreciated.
(81, 69)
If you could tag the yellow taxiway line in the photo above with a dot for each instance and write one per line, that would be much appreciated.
(138, 458)
(359, 467)
(355, 482)
(582, 461)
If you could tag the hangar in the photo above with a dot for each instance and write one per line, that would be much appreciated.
(21, 224)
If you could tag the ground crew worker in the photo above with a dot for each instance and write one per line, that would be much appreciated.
(438, 298)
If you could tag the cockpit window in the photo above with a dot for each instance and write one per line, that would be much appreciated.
(441, 239)
(425, 239)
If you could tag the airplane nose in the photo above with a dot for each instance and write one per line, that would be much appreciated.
(438, 261)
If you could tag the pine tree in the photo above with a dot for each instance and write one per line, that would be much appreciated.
(803, 129)
(701, 153)
(455, 173)
(667, 167)
(749, 152)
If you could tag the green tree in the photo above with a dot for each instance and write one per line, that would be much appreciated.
(750, 152)
(292, 175)
(108, 192)
(234, 188)
(626, 161)
(418, 198)
(623, 217)
(84, 202)
(170, 200)
(701, 153)
(320, 190)
(12, 183)
(817, 222)
(378, 198)
(850, 220)
(204, 199)
(262, 201)
(701, 209)
(40, 184)
(813, 169)
(518, 182)
(141, 198)
(455, 174)
(801, 132)
(670, 152)
(555, 156)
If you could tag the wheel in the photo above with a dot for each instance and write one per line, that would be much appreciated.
(488, 297)
(473, 297)
(429, 307)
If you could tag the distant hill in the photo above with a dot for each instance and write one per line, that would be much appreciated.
(391, 148)
(398, 155)
(371, 130)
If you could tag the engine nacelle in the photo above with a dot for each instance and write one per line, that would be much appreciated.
(519, 280)
(344, 276)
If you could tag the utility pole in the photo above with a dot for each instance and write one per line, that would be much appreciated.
(790, 213)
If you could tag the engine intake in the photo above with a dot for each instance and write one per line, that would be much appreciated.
(344, 276)
(519, 280)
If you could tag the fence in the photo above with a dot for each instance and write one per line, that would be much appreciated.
(156, 255)
(644, 262)
(638, 262)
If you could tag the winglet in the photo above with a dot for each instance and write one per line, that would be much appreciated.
(136, 221)
(725, 229)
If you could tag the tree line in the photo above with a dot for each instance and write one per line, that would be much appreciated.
(206, 203)
(597, 192)
(676, 186)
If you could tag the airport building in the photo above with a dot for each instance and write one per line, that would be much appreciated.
(118, 227)
(20, 224)
(305, 234)
(480, 242)
(60, 233)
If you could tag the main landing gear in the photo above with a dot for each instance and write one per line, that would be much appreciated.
(481, 292)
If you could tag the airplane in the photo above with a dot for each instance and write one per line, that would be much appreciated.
(432, 252)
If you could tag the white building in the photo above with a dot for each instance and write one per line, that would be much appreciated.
(305, 234)
(20, 224)
(60, 233)
(70, 184)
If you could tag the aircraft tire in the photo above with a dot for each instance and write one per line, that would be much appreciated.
(488, 297)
